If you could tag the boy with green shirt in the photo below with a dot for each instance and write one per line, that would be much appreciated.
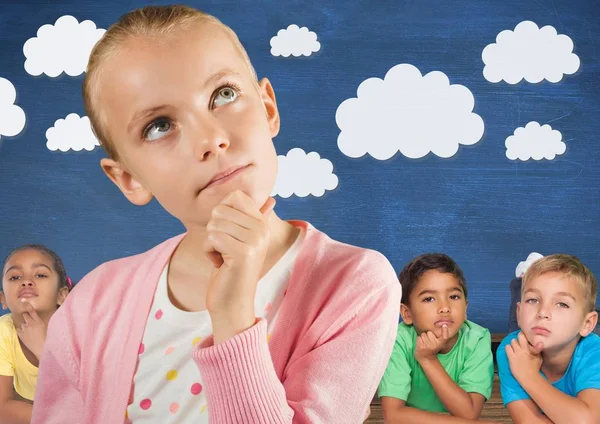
(441, 362)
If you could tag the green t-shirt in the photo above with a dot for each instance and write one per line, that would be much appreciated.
(470, 364)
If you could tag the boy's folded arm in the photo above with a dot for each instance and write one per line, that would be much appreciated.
(526, 412)
(395, 411)
(559, 407)
(12, 411)
(591, 397)
(317, 387)
(456, 400)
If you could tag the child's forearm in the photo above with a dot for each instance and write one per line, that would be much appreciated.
(15, 412)
(559, 407)
(535, 419)
(456, 400)
(408, 415)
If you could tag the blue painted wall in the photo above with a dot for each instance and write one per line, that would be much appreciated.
(484, 210)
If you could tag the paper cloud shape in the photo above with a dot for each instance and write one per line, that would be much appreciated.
(62, 47)
(294, 41)
(409, 113)
(531, 53)
(302, 174)
(71, 133)
(534, 142)
(522, 267)
(12, 117)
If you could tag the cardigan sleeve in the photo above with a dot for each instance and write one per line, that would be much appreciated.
(57, 398)
(333, 383)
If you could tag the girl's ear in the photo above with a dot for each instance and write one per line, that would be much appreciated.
(3, 301)
(405, 313)
(133, 190)
(62, 295)
(267, 95)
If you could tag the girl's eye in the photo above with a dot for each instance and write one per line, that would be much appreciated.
(14, 278)
(563, 305)
(157, 129)
(455, 297)
(41, 276)
(225, 95)
(428, 299)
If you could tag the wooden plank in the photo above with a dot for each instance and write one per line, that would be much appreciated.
(497, 337)
(492, 410)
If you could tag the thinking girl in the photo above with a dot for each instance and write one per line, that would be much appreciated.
(34, 284)
(245, 318)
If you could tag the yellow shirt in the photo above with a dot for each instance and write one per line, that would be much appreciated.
(13, 362)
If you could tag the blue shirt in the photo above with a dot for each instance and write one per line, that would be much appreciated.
(582, 373)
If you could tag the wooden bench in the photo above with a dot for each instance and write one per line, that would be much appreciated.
(492, 410)
(497, 337)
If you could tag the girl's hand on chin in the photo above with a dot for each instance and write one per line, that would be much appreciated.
(33, 330)
(237, 243)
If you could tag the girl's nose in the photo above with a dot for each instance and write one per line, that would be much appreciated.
(208, 141)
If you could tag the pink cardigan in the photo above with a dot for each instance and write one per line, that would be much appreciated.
(326, 356)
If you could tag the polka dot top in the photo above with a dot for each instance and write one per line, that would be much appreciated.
(167, 387)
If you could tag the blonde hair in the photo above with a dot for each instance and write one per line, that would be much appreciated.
(569, 266)
(149, 21)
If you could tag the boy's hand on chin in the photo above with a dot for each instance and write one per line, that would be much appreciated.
(429, 345)
(525, 360)
(237, 243)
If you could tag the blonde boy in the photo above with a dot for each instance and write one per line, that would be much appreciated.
(550, 369)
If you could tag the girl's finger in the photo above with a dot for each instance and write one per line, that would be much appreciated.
(243, 203)
(227, 245)
(241, 234)
(267, 208)
(33, 315)
(216, 258)
(240, 218)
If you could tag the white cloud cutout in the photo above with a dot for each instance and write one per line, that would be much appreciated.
(409, 113)
(294, 41)
(302, 174)
(529, 52)
(534, 142)
(12, 117)
(71, 133)
(522, 267)
(62, 47)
